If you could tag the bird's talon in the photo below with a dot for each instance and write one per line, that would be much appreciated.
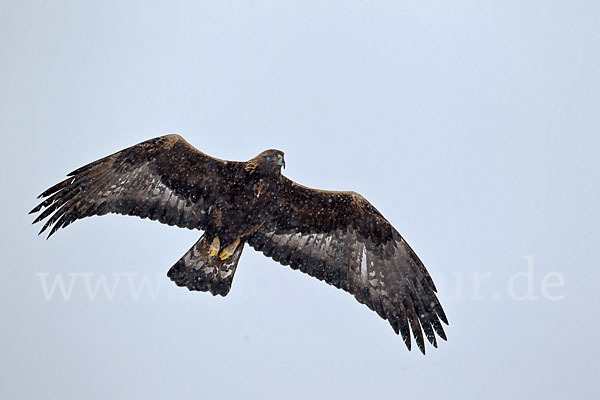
(229, 250)
(214, 247)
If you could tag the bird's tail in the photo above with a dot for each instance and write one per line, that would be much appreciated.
(205, 268)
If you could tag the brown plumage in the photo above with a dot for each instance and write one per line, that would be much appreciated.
(338, 237)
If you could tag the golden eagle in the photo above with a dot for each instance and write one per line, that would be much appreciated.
(338, 237)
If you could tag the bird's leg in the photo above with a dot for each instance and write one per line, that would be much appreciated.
(229, 250)
(214, 247)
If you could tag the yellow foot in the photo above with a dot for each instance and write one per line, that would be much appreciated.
(229, 250)
(214, 247)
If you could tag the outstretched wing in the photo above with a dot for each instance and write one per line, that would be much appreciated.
(164, 179)
(339, 237)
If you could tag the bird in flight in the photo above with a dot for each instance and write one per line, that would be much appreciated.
(337, 237)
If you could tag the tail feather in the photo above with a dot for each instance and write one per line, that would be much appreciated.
(196, 270)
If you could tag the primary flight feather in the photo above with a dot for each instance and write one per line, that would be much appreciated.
(338, 237)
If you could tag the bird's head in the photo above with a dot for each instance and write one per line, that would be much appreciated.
(273, 157)
(269, 161)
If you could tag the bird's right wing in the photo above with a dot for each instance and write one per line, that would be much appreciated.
(164, 179)
(342, 239)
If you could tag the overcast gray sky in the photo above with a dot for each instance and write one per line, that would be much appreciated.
(472, 126)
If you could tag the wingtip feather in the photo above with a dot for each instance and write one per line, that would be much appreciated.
(442, 315)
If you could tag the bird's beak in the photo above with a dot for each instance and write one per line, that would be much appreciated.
(281, 161)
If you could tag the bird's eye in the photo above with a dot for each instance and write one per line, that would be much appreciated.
(268, 158)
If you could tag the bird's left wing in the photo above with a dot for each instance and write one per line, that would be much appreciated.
(164, 179)
(339, 237)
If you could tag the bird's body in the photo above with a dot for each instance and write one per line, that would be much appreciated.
(338, 237)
